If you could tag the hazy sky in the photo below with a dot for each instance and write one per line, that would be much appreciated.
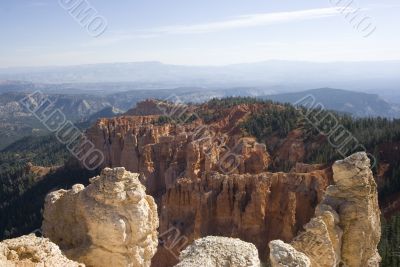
(201, 32)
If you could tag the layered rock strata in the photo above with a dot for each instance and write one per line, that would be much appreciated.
(346, 228)
(32, 251)
(112, 222)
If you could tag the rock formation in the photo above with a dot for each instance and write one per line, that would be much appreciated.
(346, 228)
(284, 255)
(208, 178)
(112, 222)
(214, 251)
(32, 251)
(164, 153)
(256, 208)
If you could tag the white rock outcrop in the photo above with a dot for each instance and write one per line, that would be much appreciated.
(32, 251)
(215, 251)
(284, 255)
(112, 222)
(346, 228)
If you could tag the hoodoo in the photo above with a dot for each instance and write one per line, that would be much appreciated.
(112, 222)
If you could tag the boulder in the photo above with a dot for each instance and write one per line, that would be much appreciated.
(215, 251)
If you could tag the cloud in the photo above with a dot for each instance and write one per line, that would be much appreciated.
(239, 22)
(247, 21)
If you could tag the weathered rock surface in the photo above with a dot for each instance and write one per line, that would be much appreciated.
(284, 255)
(112, 222)
(346, 227)
(215, 251)
(32, 251)
(253, 207)
(164, 152)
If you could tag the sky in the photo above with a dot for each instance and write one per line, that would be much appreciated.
(206, 32)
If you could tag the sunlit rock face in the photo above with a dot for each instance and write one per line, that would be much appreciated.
(256, 208)
(32, 251)
(215, 251)
(112, 222)
(164, 153)
(346, 227)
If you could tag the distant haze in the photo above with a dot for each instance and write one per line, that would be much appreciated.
(276, 76)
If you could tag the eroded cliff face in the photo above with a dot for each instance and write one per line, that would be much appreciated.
(112, 222)
(256, 208)
(162, 153)
(32, 251)
(346, 227)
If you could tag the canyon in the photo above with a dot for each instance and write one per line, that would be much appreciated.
(112, 222)
(209, 178)
(187, 186)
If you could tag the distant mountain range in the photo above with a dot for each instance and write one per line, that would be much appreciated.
(274, 74)
(354, 103)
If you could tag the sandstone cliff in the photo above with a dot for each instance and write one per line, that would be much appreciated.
(112, 222)
(256, 208)
(164, 153)
(214, 251)
(346, 228)
(32, 251)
